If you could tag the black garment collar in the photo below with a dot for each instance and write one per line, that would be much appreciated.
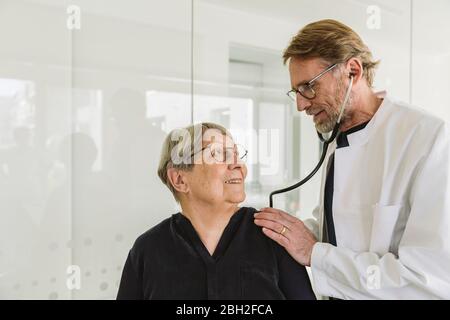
(342, 138)
(227, 236)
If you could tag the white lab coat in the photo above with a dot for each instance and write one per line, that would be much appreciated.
(391, 211)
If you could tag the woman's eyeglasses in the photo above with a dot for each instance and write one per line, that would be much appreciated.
(222, 154)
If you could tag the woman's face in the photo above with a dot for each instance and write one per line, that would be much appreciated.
(215, 182)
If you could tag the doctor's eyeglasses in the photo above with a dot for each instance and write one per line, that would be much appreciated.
(306, 90)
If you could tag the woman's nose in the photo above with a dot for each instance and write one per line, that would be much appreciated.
(238, 165)
(236, 162)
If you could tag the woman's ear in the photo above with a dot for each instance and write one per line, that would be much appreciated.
(178, 180)
(355, 69)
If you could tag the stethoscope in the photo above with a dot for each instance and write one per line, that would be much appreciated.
(326, 142)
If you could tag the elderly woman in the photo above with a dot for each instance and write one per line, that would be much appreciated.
(211, 249)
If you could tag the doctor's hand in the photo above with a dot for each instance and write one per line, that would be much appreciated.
(287, 231)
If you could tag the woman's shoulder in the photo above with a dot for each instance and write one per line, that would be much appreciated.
(248, 223)
(248, 211)
(155, 235)
(249, 219)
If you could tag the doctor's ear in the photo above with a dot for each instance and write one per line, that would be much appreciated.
(177, 179)
(355, 69)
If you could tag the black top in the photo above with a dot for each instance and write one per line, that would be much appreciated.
(341, 142)
(170, 261)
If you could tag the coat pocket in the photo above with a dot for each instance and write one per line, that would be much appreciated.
(352, 226)
(383, 225)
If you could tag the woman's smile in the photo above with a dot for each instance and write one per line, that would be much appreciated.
(234, 181)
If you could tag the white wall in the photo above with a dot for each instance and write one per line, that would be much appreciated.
(431, 57)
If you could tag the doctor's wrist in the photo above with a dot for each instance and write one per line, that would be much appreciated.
(310, 255)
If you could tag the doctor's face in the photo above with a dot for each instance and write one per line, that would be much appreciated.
(329, 89)
(219, 178)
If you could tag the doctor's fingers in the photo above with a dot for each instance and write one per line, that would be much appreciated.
(274, 226)
(277, 237)
(271, 219)
(283, 214)
(277, 216)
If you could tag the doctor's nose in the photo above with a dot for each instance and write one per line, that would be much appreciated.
(302, 103)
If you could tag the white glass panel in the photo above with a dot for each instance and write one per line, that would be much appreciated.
(35, 116)
(81, 137)
(131, 65)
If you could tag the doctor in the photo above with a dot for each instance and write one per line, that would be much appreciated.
(382, 227)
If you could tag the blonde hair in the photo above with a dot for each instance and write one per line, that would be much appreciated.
(179, 145)
(334, 42)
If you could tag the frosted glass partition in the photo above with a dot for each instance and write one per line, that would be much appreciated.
(136, 56)
(86, 100)
(35, 121)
